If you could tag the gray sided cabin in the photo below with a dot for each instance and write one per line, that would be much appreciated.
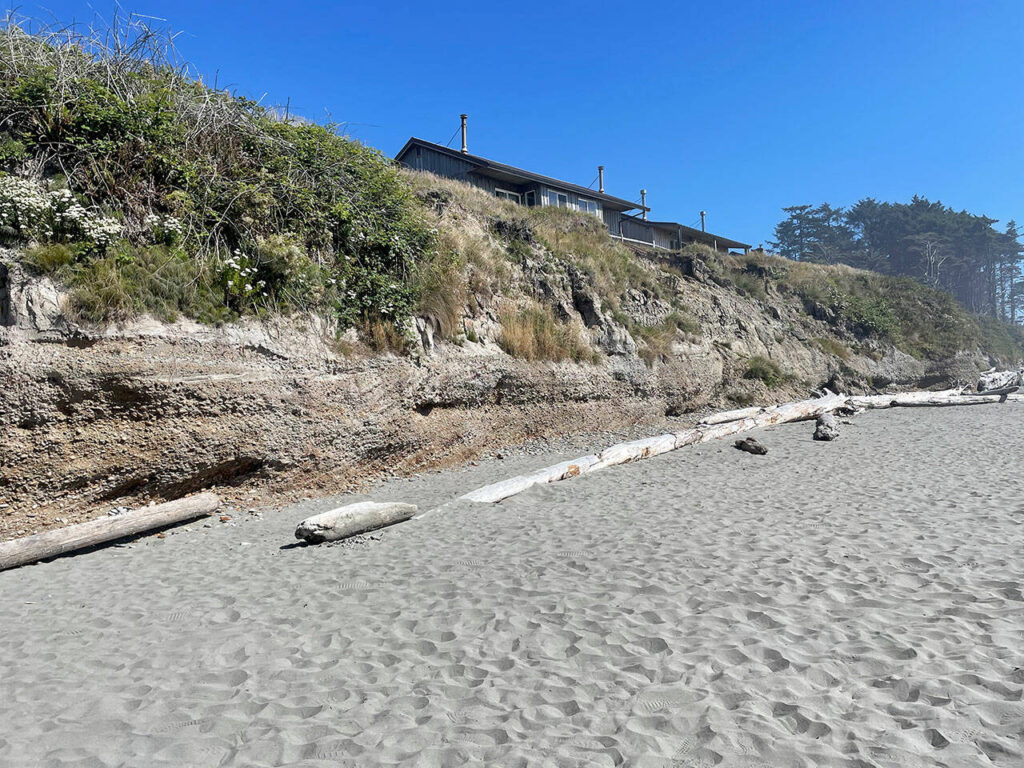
(533, 189)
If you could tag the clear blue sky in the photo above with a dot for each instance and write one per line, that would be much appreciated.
(739, 108)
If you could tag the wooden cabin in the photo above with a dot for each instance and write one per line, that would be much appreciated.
(533, 189)
(511, 183)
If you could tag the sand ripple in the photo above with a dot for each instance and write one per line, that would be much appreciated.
(849, 604)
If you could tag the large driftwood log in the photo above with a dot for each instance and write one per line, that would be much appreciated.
(739, 413)
(351, 519)
(52, 543)
(903, 398)
(941, 402)
(653, 446)
(949, 397)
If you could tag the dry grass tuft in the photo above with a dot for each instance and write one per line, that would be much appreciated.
(533, 333)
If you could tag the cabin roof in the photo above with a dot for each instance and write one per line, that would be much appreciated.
(511, 173)
(698, 234)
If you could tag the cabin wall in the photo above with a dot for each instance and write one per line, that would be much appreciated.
(425, 159)
(635, 230)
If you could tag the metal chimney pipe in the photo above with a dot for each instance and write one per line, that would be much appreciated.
(600, 179)
(702, 215)
(643, 203)
(465, 150)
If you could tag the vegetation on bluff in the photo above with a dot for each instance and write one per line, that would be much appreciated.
(158, 193)
(143, 189)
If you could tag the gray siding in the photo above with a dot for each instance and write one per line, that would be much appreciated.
(663, 238)
(424, 159)
(636, 230)
(611, 220)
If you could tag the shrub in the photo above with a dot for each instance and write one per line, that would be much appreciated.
(114, 123)
(763, 369)
(868, 316)
(833, 347)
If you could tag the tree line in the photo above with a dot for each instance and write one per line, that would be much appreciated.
(956, 251)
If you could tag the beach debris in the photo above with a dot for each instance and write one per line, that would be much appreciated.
(351, 519)
(949, 397)
(750, 445)
(105, 529)
(994, 379)
(653, 446)
(826, 428)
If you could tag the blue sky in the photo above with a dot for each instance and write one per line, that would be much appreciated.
(738, 109)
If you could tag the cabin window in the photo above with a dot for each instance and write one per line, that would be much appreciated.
(589, 206)
(504, 194)
(531, 198)
(558, 199)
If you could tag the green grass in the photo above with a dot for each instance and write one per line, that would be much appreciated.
(765, 370)
(833, 347)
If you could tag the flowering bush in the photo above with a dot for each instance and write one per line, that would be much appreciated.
(23, 207)
(163, 229)
(28, 212)
(238, 275)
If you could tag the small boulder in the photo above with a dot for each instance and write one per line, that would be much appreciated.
(750, 445)
(827, 427)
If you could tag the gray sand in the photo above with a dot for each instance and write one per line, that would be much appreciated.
(855, 603)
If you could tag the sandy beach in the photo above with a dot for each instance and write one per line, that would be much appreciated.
(854, 604)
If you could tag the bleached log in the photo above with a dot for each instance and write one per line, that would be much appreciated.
(75, 537)
(352, 519)
(634, 451)
(491, 494)
(739, 413)
(653, 446)
(903, 398)
(563, 470)
(940, 402)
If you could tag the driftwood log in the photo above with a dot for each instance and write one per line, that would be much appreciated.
(653, 446)
(827, 428)
(739, 413)
(74, 537)
(351, 519)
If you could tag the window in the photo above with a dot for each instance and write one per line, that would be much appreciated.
(558, 199)
(504, 194)
(531, 198)
(589, 206)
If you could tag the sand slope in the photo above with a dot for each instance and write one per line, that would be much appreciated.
(856, 603)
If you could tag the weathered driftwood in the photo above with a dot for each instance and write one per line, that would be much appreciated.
(74, 537)
(827, 428)
(994, 379)
(351, 519)
(1003, 394)
(941, 402)
(903, 398)
(739, 413)
(653, 446)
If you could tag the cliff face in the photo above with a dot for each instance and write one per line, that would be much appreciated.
(97, 417)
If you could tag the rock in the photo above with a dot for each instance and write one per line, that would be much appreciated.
(750, 445)
(35, 305)
(351, 519)
(827, 428)
(616, 340)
